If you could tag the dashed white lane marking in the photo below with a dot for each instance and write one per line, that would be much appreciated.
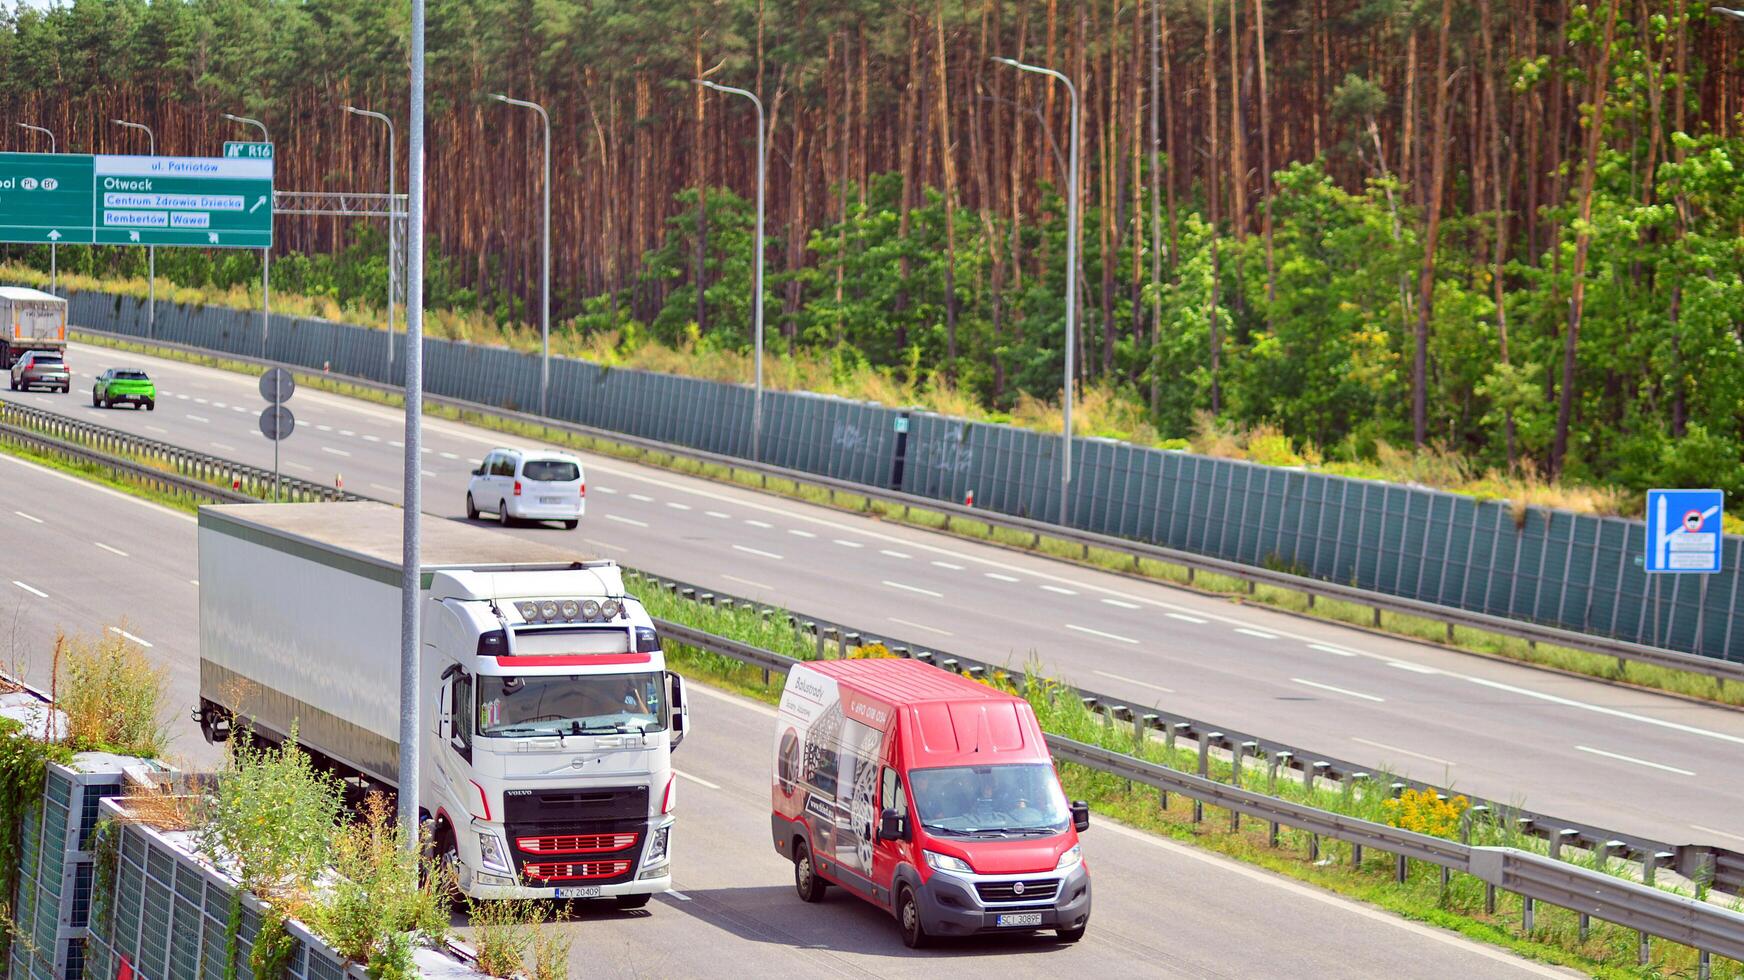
(957, 568)
(604, 545)
(675, 893)
(1630, 758)
(753, 583)
(1394, 748)
(914, 588)
(238, 408)
(1337, 690)
(448, 456)
(1698, 828)
(1122, 605)
(717, 515)
(796, 532)
(1260, 634)
(118, 631)
(921, 626)
(397, 444)
(181, 396)
(33, 591)
(1413, 668)
(626, 520)
(644, 498)
(848, 544)
(110, 548)
(761, 524)
(1183, 617)
(1106, 636)
(199, 400)
(700, 782)
(324, 428)
(336, 452)
(219, 405)
(347, 432)
(372, 438)
(675, 505)
(33, 520)
(1057, 590)
(1134, 680)
(199, 418)
(194, 582)
(1323, 648)
(894, 554)
(605, 490)
(998, 577)
(758, 553)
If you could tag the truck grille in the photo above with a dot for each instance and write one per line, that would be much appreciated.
(574, 871)
(1036, 890)
(577, 843)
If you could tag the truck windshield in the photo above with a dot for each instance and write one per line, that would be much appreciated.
(1015, 800)
(592, 704)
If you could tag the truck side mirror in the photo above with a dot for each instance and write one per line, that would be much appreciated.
(1080, 816)
(892, 826)
(680, 709)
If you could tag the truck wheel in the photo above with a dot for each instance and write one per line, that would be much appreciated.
(471, 509)
(1070, 935)
(805, 879)
(914, 934)
(628, 902)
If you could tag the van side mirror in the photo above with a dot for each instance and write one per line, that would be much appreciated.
(892, 826)
(479, 471)
(1080, 816)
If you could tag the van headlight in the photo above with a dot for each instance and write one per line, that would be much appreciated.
(1070, 858)
(945, 862)
(493, 854)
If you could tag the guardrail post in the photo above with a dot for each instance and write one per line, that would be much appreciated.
(1141, 727)
(1313, 848)
(950, 664)
(1704, 969)
(827, 631)
(1402, 867)
(1169, 735)
(901, 652)
(1316, 771)
(1204, 770)
(849, 639)
(1526, 909)
(1377, 617)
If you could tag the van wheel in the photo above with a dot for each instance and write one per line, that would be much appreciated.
(503, 513)
(570, 525)
(1070, 935)
(914, 935)
(805, 879)
(628, 902)
(471, 509)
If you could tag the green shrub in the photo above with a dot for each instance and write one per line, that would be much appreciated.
(376, 895)
(111, 694)
(273, 818)
(502, 931)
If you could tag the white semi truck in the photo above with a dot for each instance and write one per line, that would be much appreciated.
(30, 320)
(548, 716)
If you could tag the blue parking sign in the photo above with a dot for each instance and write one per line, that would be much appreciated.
(1684, 530)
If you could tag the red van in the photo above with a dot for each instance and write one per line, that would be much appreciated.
(929, 795)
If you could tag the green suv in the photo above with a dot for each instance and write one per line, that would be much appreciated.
(120, 385)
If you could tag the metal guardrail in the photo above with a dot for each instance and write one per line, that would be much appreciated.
(171, 484)
(191, 472)
(1704, 926)
(1720, 868)
(1253, 575)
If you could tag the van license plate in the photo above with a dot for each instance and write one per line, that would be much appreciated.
(579, 891)
(551, 500)
(1020, 919)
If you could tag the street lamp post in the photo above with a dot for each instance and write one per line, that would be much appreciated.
(265, 253)
(1071, 286)
(757, 284)
(545, 262)
(150, 250)
(54, 268)
(411, 555)
(354, 110)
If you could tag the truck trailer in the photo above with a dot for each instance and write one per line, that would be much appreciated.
(30, 320)
(548, 718)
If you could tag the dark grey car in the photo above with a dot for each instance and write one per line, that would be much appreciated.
(41, 369)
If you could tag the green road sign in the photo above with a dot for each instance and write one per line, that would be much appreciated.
(248, 151)
(215, 202)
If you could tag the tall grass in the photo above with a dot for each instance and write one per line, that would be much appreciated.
(111, 692)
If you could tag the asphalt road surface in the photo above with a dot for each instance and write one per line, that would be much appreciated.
(77, 556)
(1628, 760)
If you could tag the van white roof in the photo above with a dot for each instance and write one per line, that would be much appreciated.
(26, 293)
(539, 453)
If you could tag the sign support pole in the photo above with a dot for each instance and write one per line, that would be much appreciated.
(411, 560)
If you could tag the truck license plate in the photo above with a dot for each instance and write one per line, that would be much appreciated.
(1020, 919)
(580, 891)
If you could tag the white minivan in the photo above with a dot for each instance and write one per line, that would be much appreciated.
(532, 485)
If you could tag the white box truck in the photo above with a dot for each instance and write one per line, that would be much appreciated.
(30, 320)
(548, 716)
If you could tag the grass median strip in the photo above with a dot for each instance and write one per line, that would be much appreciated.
(1682, 683)
(1557, 936)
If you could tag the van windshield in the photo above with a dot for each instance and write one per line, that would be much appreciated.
(1009, 800)
(550, 471)
(592, 704)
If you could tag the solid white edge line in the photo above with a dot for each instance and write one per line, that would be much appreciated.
(920, 626)
(1338, 690)
(912, 588)
(626, 520)
(1106, 636)
(753, 583)
(1394, 748)
(604, 545)
(1613, 712)
(31, 589)
(1630, 758)
(1134, 680)
(1698, 828)
(99, 488)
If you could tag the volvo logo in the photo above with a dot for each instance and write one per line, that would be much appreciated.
(1017, 888)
